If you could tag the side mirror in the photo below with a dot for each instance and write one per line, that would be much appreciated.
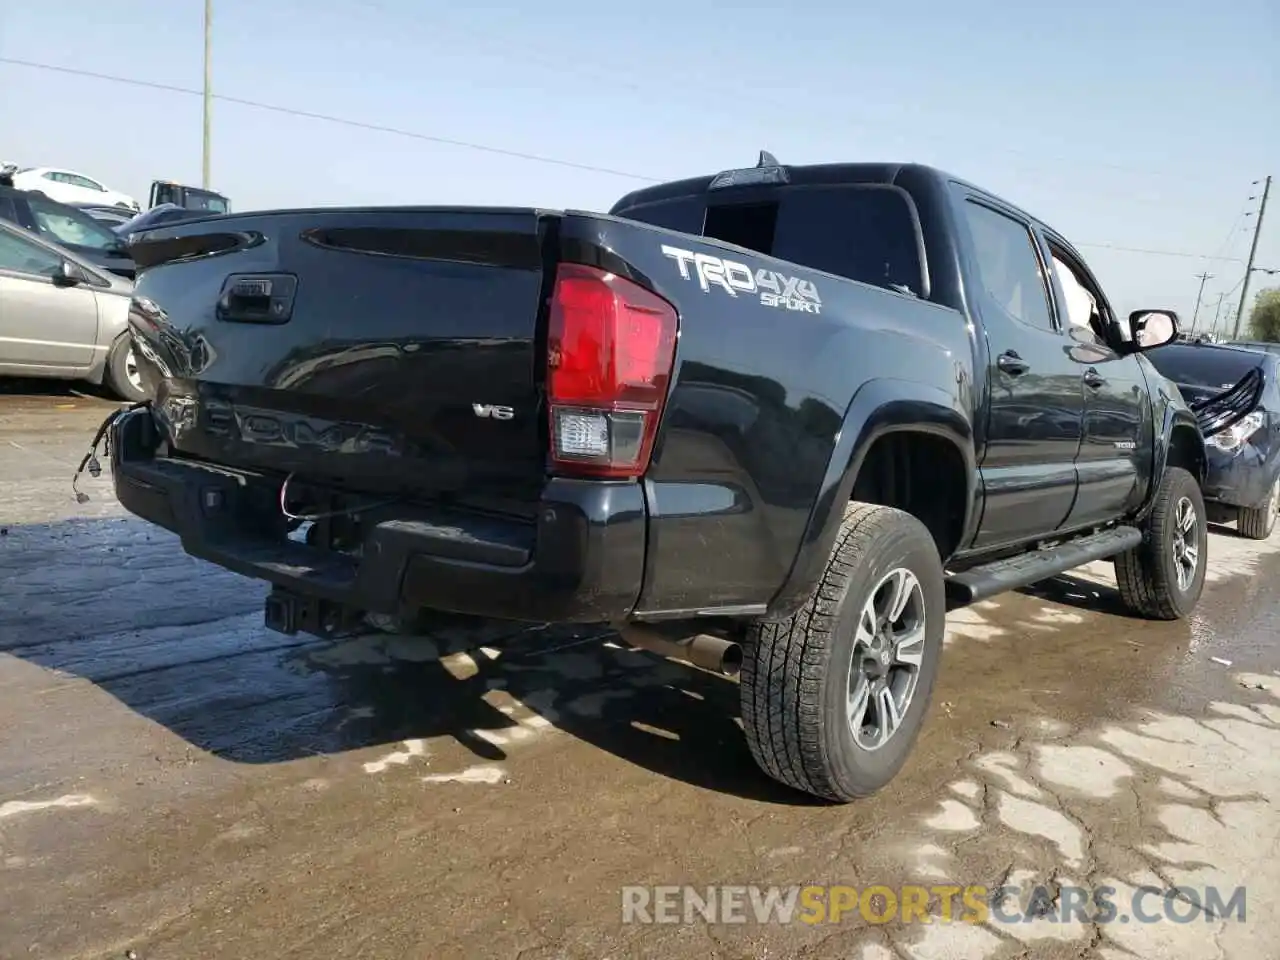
(68, 275)
(1152, 328)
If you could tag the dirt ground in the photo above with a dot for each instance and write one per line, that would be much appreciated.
(178, 782)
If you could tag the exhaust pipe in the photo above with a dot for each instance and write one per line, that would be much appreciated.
(703, 650)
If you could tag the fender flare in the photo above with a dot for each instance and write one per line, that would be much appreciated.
(1176, 420)
(879, 407)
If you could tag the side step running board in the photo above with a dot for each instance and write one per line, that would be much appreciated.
(1000, 576)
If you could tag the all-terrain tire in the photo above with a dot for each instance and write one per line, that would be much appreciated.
(1148, 574)
(117, 373)
(1256, 523)
(795, 674)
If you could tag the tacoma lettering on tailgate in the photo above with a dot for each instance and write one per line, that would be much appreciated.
(274, 428)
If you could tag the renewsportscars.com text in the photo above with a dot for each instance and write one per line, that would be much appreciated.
(975, 904)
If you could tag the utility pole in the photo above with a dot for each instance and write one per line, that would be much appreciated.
(208, 91)
(1253, 252)
(1200, 293)
(1217, 312)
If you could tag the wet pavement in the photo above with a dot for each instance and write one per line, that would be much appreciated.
(179, 782)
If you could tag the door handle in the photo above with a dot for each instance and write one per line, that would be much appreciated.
(1093, 379)
(1009, 362)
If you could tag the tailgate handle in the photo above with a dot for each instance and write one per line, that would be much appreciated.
(257, 298)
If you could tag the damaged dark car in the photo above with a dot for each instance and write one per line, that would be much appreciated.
(1241, 387)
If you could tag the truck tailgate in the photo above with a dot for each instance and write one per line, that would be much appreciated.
(390, 349)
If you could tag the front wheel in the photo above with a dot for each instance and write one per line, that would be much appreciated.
(1256, 523)
(1162, 578)
(834, 696)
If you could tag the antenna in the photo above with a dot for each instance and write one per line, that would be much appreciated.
(767, 159)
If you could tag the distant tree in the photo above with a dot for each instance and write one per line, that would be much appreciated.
(1264, 321)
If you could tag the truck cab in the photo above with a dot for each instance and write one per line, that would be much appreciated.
(190, 198)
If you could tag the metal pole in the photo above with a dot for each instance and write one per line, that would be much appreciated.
(208, 91)
(1253, 252)
(1199, 293)
(1217, 312)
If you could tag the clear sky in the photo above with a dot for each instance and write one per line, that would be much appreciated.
(1125, 123)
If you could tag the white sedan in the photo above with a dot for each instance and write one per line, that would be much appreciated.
(67, 186)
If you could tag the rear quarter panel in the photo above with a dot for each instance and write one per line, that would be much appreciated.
(759, 397)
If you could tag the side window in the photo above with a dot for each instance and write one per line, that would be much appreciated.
(21, 256)
(1009, 266)
(1084, 307)
(87, 184)
(7, 210)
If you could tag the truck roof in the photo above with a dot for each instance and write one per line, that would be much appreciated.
(820, 173)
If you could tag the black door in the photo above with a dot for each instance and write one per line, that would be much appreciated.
(1114, 462)
(1036, 409)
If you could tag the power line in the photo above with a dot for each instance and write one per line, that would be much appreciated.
(466, 144)
(1162, 253)
(1230, 310)
(1234, 287)
(328, 118)
(609, 74)
(1236, 224)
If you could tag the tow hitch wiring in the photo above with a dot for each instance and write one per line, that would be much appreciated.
(313, 517)
(89, 462)
(101, 438)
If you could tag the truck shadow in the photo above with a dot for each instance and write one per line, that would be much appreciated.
(181, 643)
(1079, 593)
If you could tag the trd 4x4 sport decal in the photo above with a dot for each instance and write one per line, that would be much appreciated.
(774, 289)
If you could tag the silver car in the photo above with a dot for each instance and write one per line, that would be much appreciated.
(62, 317)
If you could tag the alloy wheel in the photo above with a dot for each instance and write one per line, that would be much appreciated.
(888, 651)
(1186, 543)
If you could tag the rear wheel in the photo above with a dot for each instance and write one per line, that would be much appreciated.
(834, 697)
(1162, 578)
(123, 376)
(1256, 523)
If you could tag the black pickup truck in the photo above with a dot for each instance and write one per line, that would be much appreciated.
(774, 421)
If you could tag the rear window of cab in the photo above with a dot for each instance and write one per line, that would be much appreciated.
(865, 233)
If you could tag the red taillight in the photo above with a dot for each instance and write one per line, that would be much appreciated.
(610, 348)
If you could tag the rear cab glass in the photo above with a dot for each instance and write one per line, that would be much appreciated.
(865, 232)
(1207, 367)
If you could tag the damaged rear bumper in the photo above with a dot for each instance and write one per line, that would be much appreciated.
(581, 559)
